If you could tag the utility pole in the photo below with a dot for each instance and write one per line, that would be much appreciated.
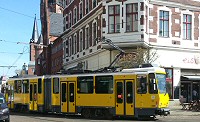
(46, 37)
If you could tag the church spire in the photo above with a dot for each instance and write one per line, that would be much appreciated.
(35, 34)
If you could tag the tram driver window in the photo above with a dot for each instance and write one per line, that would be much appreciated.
(141, 84)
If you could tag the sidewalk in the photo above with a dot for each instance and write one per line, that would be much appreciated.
(176, 110)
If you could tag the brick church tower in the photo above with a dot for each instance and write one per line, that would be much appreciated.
(33, 42)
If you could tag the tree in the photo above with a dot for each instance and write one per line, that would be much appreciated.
(140, 56)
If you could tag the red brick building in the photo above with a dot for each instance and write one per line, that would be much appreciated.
(51, 21)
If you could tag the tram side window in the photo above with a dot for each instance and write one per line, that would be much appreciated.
(55, 85)
(18, 86)
(141, 84)
(85, 84)
(39, 85)
(153, 89)
(25, 86)
(104, 84)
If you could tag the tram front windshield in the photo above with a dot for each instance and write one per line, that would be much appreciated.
(161, 82)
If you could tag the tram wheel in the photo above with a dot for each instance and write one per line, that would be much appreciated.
(108, 115)
(86, 113)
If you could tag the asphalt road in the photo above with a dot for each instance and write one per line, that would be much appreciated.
(24, 117)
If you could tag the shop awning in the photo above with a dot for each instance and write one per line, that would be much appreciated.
(190, 78)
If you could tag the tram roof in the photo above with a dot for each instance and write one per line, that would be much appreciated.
(25, 77)
(147, 69)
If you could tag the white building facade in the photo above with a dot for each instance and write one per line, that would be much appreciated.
(170, 27)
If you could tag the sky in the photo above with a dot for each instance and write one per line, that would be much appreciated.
(16, 25)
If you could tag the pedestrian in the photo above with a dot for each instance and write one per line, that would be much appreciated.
(194, 94)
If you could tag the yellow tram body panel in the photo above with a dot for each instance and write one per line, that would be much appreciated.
(21, 98)
(95, 100)
(10, 94)
(163, 101)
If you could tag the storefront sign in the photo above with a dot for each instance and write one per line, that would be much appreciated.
(192, 60)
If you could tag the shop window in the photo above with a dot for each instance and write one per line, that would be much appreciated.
(169, 83)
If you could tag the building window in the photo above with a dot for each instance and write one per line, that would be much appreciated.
(81, 40)
(75, 15)
(94, 3)
(70, 47)
(75, 44)
(66, 22)
(80, 10)
(146, 19)
(114, 18)
(67, 48)
(94, 33)
(87, 4)
(70, 19)
(87, 37)
(164, 24)
(132, 17)
(66, 2)
(187, 26)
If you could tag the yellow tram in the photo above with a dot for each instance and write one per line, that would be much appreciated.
(138, 92)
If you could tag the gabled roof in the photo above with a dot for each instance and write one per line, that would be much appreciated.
(56, 25)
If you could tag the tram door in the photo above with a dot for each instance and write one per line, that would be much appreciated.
(68, 97)
(125, 97)
(33, 97)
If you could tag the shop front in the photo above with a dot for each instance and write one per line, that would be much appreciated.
(190, 87)
(183, 73)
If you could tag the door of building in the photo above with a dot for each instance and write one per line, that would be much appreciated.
(186, 91)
